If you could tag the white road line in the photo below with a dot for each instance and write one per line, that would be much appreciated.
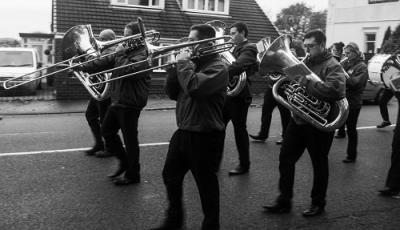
(141, 145)
(69, 150)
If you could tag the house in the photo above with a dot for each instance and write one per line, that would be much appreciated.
(363, 22)
(172, 18)
(41, 42)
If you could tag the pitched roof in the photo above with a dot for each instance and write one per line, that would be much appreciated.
(170, 22)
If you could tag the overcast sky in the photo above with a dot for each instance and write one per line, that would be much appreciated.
(27, 16)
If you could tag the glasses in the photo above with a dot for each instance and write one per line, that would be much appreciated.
(310, 46)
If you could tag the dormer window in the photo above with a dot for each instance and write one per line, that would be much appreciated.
(158, 4)
(206, 6)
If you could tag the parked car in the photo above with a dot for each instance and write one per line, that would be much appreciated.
(16, 61)
(372, 92)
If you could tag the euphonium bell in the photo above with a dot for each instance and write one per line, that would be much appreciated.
(325, 116)
(237, 84)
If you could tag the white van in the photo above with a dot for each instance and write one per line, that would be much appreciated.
(16, 61)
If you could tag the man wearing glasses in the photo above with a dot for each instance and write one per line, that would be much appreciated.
(300, 135)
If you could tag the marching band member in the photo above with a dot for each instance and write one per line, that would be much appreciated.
(300, 135)
(236, 107)
(199, 88)
(267, 109)
(393, 178)
(355, 85)
(128, 97)
(387, 95)
(96, 110)
(337, 51)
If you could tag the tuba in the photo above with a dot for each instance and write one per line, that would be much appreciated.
(235, 86)
(385, 68)
(325, 116)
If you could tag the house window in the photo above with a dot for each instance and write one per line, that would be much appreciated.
(206, 6)
(139, 3)
(370, 39)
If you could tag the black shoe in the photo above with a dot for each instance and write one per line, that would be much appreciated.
(314, 210)
(279, 142)
(239, 170)
(258, 138)
(126, 181)
(389, 192)
(277, 208)
(348, 160)
(94, 149)
(103, 154)
(384, 124)
(118, 173)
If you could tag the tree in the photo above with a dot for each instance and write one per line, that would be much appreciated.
(294, 20)
(298, 18)
(392, 44)
(318, 20)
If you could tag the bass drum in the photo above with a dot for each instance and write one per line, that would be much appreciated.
(385, 68)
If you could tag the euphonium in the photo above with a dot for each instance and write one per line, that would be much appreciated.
(325, 116)
(237, 84)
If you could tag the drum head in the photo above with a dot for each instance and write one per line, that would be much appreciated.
(375, 65)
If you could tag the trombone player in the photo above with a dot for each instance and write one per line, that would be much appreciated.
(300, 135)
(199, 88)
(128, 98)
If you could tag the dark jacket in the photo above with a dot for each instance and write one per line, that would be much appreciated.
(246, 60)
(328, 69)
(333, 85)
(129, 92)
(355, 84)
(199, 90)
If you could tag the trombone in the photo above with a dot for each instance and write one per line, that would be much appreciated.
(79, 44)
(157, 52)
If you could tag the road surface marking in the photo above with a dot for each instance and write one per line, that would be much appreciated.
(69, 150)
(141, 145)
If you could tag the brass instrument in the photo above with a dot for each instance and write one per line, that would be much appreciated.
(322, 115)
(262, 47)
(236, 85)
(157, 52)
(80, 47)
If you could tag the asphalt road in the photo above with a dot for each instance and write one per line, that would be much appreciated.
(48, 183)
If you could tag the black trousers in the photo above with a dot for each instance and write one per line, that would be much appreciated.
(95, 113)
(266, 115)
(318, 143)
(125, 119)
(393, 178)
(351, 124)
(385, 98)
(235, 110)
(200, 153)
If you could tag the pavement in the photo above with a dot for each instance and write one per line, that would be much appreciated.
(33, 107)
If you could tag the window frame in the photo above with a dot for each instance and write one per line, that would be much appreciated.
(366, 41)
(126, 5)
(185, 7)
